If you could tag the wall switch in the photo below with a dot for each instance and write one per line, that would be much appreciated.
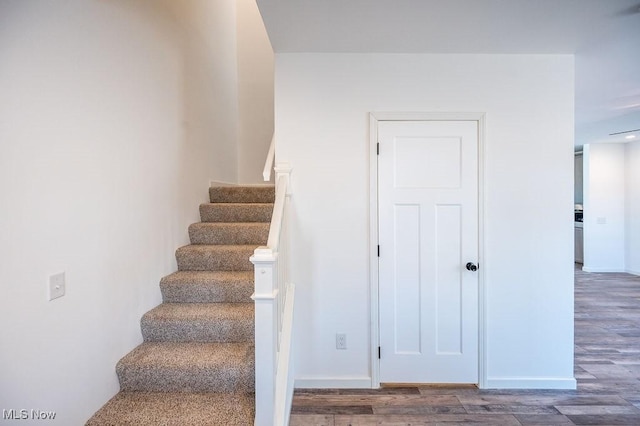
(601, 220)
(341, 341)
(56, 286)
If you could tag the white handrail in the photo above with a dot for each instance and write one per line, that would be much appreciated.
(273, 242)
(271, 155)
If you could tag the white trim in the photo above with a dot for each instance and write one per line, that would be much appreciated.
(427, 116)
(213, 182)
(282, 182)
(374, 118)
(268, 297)
(284, 372)
(612, 270)
(482, 259)
(263, 255)
(285, 169)
(632, 272)
(532, 383)
(271, 155)
(333, 383)
(374, 325)
(223, 183)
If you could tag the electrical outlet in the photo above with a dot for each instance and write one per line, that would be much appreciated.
(341, 341)
(57, 286)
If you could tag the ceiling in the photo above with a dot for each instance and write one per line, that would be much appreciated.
(603, 34)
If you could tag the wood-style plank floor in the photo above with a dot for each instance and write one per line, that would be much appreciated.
(607, 367)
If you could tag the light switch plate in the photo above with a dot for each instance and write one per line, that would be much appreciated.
(341, 341)
(57, 286)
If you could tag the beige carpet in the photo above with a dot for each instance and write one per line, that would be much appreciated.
(196, 365)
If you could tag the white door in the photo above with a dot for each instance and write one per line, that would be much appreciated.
(428, 232)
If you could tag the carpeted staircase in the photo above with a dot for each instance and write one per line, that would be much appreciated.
(196, 364)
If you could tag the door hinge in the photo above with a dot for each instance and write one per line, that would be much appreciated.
(378, 250)
(378, 352)
(378, 149)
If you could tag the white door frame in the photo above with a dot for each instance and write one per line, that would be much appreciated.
(374, 118)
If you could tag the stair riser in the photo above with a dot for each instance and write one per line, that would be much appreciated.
(230, 194)
(207, 293)
(180, 380)
(191, 259)
(236, 212)
(223, 330)
(208, 233)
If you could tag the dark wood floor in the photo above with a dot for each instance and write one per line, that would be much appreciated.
(607, 367)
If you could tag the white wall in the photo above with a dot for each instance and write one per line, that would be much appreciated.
(578, 177)
(210, 84)
(255, 92)
(632, 205)
(322, 106)
(237, 81)
(604, 207)
(111, 125)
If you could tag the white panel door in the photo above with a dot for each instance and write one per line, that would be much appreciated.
(428, 232)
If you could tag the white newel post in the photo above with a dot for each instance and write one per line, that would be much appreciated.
(284, 170)
(266, 333)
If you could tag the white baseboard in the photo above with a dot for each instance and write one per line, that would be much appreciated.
(591, 269)
(495, 383)
(223, 183)
(531, 383)
(632, 272)
(333, 382)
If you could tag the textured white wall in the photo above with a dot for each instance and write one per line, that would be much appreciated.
(255, 92)
(632, 205)
(604, 207)
(322, 106)
(113, 118)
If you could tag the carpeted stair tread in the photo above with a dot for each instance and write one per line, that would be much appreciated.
(199, 322)
(196, 257)
(188, 367)
(235, 212)
(196, 365)
(242, 194)
(176, 409)
(207, 287)
(229, 233)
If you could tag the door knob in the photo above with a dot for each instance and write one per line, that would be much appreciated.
(471, 267)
